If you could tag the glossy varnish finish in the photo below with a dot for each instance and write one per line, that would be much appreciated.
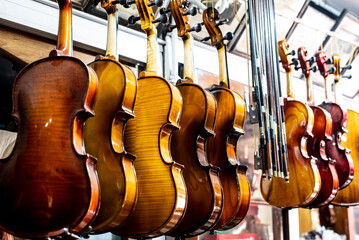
(48, 184)
(162, 193)
(188, 144)
(349, 196)
(304, 178)
(321, 135)
(103, 134)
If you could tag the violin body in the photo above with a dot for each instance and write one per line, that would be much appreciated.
(349, 196)
(189, 149)
(222, 153)
(316, 147)
(162, 192)
(103, 137)
(344, 163)
(49, 183)
(304, 178)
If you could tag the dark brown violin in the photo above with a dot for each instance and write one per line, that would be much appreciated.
(304, 178)
(349, 196)
(321, 134)
(188, 145)
(344, 163)
(48, 184)
(103, 134)
(228, 128)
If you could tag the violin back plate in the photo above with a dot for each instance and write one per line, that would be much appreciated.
(103, 137)
(349, 196)
(161, 190)
(48, 182)
(304, 178)
(189, 149)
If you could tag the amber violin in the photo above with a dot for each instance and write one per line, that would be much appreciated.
(103, 134)
(189, 143)
(321, 133)
(48, 184)
(162, 194)
(222, 151)
(304, 178)
(344, 163)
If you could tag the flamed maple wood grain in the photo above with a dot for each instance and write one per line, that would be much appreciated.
(161, 190)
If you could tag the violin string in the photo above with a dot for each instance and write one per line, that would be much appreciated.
(352, 55)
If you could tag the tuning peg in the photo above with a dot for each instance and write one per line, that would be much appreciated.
(332, 70)
(347, 76)
(157, 3)
(229, 36)
(295, 61)
(192, 12)
(221, 22)
(196, 28)
(126, 3)
(314, 69)
(169, 28)
(132, 20)
(311, 60)
(164, 11)
(329, 61)
(296, 67)
(291, 53)
(347, 67)
(162, 19)
(205, 39)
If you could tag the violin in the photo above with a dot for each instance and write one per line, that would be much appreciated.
(321, 133)
(222, 151)
(189, 144)
(103, 134)
(344, 163)
(349, 196)
(162, 194)
(48, 184)
(304, 177)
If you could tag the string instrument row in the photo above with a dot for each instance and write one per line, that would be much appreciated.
(154, 159)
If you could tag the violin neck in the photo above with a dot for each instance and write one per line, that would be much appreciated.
(188, 58)
(223, 69)
(336, 92)
(112, 28)
(326, 88)
(64, 41)
(310, 98)
(290, 91)
(151, 53)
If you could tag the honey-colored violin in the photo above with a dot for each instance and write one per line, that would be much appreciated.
(189, 143)
(222, 151)
(344, 163)
(103, 134)
(162, 194)
(321, 134)
(304, 178)
(48, 184)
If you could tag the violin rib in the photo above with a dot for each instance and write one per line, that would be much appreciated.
(103, 137)
(48, 167)
(162, 192)
(304, 178)
(188, 147)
